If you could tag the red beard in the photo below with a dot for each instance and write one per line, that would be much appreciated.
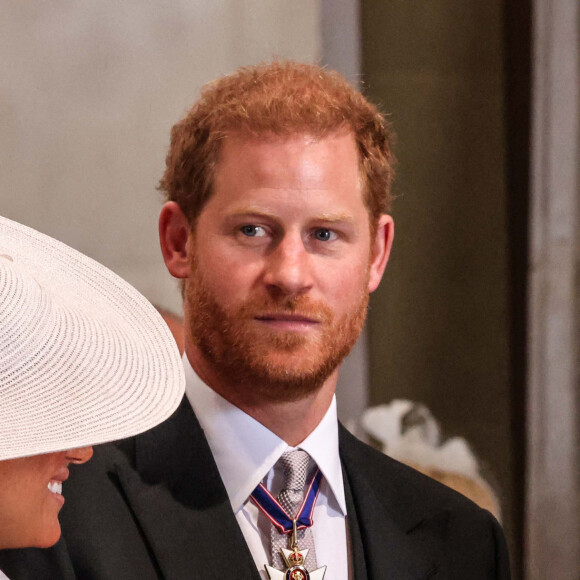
(278, 366)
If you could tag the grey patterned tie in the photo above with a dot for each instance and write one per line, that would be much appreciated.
(295, 466)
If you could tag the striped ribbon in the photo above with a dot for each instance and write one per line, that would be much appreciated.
(269, 505)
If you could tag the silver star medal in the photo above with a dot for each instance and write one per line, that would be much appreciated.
(294, 560)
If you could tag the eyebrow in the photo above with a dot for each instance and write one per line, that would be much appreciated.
(335, 217)
(251, 211)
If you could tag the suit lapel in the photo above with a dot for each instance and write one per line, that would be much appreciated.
(385, 526)
(357, 569)
(179, 500)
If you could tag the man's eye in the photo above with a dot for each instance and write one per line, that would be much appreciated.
(324, 235)
(253, 231)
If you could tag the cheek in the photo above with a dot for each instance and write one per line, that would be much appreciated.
(346, 284)
(28, 510)
(230, 281)
(29, 515)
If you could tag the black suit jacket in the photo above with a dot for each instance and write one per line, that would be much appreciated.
(154, 507)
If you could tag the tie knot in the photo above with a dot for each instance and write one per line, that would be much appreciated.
(295, 465)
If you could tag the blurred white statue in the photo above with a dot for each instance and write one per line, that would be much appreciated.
(408, 432)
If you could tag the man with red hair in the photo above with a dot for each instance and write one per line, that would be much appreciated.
(277, 186)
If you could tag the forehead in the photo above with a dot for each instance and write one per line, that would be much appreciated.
(296, 161)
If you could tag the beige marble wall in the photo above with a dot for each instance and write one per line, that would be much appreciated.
(88, 93)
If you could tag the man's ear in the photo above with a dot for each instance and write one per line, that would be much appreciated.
(380, 250)
(174, 230)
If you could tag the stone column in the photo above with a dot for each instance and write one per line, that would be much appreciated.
(552, 504)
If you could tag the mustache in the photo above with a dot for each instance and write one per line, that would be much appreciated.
(298, 306)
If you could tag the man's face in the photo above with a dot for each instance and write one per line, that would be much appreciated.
(280, 265)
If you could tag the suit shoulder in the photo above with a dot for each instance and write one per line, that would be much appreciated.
(456, 532)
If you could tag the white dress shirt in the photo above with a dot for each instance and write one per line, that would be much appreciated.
(245, 453)
(3, 576)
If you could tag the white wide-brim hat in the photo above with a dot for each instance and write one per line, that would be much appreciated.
(84, 358)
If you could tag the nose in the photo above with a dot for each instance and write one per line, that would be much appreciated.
(79, 455)
(288, 267)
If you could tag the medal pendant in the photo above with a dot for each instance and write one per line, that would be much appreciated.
(294, 560)
(295, 570)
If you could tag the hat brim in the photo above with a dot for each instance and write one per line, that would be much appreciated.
(84, 358)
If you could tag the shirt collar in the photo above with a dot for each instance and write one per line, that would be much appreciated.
(245, 451)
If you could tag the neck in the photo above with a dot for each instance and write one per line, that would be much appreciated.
(292, 421)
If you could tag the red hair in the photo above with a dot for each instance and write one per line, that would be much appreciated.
(279, 98)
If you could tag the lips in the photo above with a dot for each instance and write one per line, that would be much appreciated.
(297, 318)
(55, 483)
